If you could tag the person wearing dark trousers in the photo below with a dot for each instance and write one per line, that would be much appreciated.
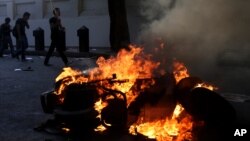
(6, 37)
(21, 38)
(56, 31)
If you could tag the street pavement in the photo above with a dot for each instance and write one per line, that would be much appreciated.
(21, 84)
(20, 106)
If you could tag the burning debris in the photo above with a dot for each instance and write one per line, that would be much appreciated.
(166, 129)
(120, 86)
(200, 101)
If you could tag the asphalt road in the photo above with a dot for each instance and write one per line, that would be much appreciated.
(20, 106)
(21, 110)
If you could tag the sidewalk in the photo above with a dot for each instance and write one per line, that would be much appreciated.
(74, 52)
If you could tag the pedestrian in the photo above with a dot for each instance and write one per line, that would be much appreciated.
(20, 35)
(56, 31)
(5, 30)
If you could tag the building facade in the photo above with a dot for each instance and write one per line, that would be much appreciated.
(74, 14)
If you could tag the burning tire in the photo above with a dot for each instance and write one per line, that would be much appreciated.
(114, 116)
(204, 104)
(76, 110)
(209, 106)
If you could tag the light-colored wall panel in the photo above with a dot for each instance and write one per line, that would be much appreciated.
(98, 30)
(20, 8)
(68, 7)
(94, 7)
(3, 10)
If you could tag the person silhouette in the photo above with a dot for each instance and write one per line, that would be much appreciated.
(56, 31)
(6, 37)
(20, 35)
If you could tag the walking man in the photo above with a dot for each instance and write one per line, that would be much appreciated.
(21, 38)
(6, 37)
(56, 29)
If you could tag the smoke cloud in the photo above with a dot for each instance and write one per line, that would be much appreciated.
(198, 32)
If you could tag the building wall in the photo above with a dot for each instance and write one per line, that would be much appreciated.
(74, 14)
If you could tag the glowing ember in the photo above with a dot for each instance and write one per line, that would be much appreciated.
(207, 86)
(100, 128)
(66, 130)
(179, 71)
(177, 111)
(166, 129)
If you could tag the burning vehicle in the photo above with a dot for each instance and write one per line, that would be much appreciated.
(129, 93)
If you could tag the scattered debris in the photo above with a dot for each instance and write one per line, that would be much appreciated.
(29, 59)
(24, 69)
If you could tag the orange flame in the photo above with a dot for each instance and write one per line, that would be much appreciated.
(179, 71)
(100, 128)
(118, 73)
(166, 129)
(177, 111)
(207, 86)
(66, 130)
(127, 66)
(69, 76)
(99, 105)
(175, 128)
